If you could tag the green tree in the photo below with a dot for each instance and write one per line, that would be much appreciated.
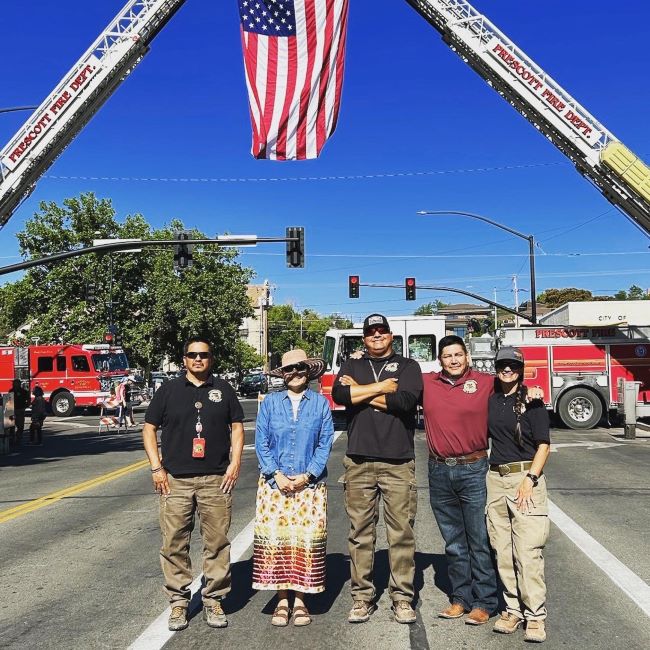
(429, 308)
(289, 329)
(246, 358)
(155, 308)
(559, 297)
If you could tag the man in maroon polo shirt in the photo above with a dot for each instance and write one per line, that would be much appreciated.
(455, 405)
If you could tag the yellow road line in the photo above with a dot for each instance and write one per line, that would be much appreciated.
(35, 504)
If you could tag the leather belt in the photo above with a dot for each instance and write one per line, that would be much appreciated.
(511, 468)
(460, 460)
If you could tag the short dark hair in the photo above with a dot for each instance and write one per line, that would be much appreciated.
(197, 339)
(451, 339)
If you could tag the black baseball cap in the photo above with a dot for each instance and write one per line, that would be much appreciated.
(375, 320)
(509, 353)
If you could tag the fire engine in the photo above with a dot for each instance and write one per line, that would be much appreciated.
(580, 363)
(415, 337)
(70, 375)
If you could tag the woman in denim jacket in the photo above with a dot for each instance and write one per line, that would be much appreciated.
(293, 439)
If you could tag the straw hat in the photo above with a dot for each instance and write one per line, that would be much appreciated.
(316, 367)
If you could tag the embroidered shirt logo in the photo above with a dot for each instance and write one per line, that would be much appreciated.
(392, 367)
(470, 386)
(214, 395)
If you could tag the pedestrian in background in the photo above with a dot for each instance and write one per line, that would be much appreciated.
(38, 414)
(517, 501)
(21, 402)
(380, 391)
(198, 467)
(293, 440)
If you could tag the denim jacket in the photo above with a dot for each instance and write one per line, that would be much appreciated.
(294, 447)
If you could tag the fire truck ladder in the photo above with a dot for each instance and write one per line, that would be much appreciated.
(619, 174)
(77, 97)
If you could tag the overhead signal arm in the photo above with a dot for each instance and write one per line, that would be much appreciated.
(77, 97)
(622, 177)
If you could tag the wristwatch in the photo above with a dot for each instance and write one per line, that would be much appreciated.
(534, 478)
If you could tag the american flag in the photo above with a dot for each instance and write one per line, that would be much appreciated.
(294, 52)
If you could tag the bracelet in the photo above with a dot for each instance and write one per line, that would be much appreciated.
(153, 471)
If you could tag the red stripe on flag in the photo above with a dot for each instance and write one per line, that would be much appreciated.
(271, 86)
(340, 65)
(250, 63)
(328, 32)
(292, 70)
(310, 27)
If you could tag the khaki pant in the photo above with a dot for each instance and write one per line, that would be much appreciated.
(202, 495)
(365, 483)
(518, 540)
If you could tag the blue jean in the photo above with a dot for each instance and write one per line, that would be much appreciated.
(458, 496)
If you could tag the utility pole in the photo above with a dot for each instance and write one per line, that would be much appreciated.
(495, 309)
(515, 290)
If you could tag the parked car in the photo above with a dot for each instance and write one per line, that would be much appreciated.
(253, 384)
(276, 384)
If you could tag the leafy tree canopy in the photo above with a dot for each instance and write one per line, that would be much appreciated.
(154, 308)
(429, 308)
(289, 329)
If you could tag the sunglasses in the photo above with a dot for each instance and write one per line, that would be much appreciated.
(295, 367)
(197, 355)
(514, 366)
(382, 331)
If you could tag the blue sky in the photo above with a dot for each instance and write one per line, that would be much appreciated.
(419, 126)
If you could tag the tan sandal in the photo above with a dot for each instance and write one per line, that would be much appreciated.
(280, 617)
(301, 616)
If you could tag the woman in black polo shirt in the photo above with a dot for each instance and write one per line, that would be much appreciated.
(517, 502)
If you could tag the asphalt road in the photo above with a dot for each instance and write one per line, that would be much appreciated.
(79, 568)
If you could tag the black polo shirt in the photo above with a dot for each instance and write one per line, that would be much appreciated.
(502, 421)
(172, 408)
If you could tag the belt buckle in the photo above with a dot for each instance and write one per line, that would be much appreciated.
(504, 470)
(451, 462)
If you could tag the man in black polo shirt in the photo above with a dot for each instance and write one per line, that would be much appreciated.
(201, 446)
(381, 391)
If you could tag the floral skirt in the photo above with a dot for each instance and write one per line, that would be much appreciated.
(290, 539)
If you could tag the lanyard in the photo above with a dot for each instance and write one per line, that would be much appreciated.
(199, 426)
(377, 375)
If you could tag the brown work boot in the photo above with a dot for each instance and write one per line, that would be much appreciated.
(214, 616)
(361, 611)
(507, 623)
(403, 611)
(177, 619)
(535, 631)
(455, 610)
(477, 616)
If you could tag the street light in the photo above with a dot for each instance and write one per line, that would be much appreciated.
(531, 249)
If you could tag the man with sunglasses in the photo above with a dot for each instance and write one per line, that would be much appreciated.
(195, 472)
(380, 391)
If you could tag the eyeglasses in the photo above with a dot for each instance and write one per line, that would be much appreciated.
(514, 366)
(197, 355)
(295, 367)
(382, 331)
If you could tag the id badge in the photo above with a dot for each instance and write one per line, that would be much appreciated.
(198, 448)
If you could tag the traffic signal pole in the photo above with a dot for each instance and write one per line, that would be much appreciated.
(225, 240)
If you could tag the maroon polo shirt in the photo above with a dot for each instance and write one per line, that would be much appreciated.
(456, 415)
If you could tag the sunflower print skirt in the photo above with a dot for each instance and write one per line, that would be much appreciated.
(290, 539)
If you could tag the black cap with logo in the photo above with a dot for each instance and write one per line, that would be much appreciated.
(375, 320)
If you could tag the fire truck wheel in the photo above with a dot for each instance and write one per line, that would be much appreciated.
(63, 404)
(580, 408)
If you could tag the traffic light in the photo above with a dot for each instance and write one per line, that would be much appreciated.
(353, 286)
(409, 286)
(91, 292)
(108, 337)
(182, 252)
(296, 248)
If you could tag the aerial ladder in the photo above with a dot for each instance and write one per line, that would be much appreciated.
(77, 97)
(622, 177)
(619, 174)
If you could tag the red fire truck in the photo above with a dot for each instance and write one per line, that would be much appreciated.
(579, 367)
(70, 375)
